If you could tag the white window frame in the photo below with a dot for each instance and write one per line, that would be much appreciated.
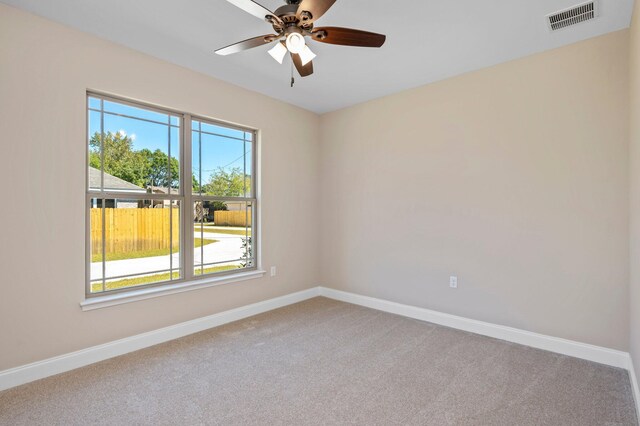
(186, 198)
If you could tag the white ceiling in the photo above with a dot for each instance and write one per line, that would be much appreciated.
(427, 40)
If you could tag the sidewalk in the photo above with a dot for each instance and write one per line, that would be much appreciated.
(228, 247)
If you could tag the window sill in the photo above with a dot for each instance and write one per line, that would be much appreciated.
(99, 302)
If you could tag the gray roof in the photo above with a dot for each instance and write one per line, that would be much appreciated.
(158, 189)
(111, 182)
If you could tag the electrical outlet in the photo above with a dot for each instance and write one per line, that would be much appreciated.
(273, 271)
(453, 282)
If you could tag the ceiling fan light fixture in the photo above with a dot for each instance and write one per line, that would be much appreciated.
(292, 23)
(306, 55)
(277, 52)
(295, 43)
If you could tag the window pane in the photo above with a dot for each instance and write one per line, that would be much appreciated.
(95, 244)
(94, 147)
(229, 225)
(248, 170)
(142, 242)
(118, 108)
(223, 131)
(213, 269)
(223, 161)
(175, 165)
(94, 103)
(136, 152)
(133, 152)
(195, 162)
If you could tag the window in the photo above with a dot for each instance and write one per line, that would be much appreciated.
(170, 197)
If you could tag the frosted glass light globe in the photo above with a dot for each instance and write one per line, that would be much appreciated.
(295, 43)
(306, 55)
(278, 51)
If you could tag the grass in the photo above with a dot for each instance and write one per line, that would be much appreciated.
(136, 254)
(215, 269)
(150, 279)
(219, 230)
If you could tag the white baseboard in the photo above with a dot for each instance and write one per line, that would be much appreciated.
(554, 344)
(60, 364)
(634, 385)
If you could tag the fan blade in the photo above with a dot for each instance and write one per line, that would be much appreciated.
(348, 37)
(256, 10)
(303, 70)
(315, 8)
(247, 44)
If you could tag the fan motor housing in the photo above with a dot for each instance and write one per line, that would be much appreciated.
(287, 12)
(289, 15)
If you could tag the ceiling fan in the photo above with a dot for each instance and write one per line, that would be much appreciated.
(293, 22)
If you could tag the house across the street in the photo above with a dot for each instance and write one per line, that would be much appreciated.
(113, 183)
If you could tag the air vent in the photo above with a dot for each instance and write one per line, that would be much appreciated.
(575, 15)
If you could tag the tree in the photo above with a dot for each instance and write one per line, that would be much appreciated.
(247, 253)
(227, 184)
(158, 169)
(119, 159)
(142, 168)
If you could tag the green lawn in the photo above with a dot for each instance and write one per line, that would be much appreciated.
(97, 257)
(216, 269)
(132, 282)
(221, 230)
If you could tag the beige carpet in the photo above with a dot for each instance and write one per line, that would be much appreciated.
(324, 362)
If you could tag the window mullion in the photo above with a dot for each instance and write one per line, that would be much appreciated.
(137, 195)
(169, 191)
(229, 199)
(103, 230)
(187, 189)
(200, 191)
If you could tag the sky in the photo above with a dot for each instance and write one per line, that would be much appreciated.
(219, 146)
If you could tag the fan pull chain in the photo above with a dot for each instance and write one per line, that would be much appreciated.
(293, 81)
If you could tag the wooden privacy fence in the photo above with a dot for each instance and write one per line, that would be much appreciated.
(134, 229)
(232, 218)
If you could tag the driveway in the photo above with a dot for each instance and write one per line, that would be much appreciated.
(228, 247)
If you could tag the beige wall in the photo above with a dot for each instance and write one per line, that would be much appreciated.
(634, 157)
(45, 69)
(514, 178)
